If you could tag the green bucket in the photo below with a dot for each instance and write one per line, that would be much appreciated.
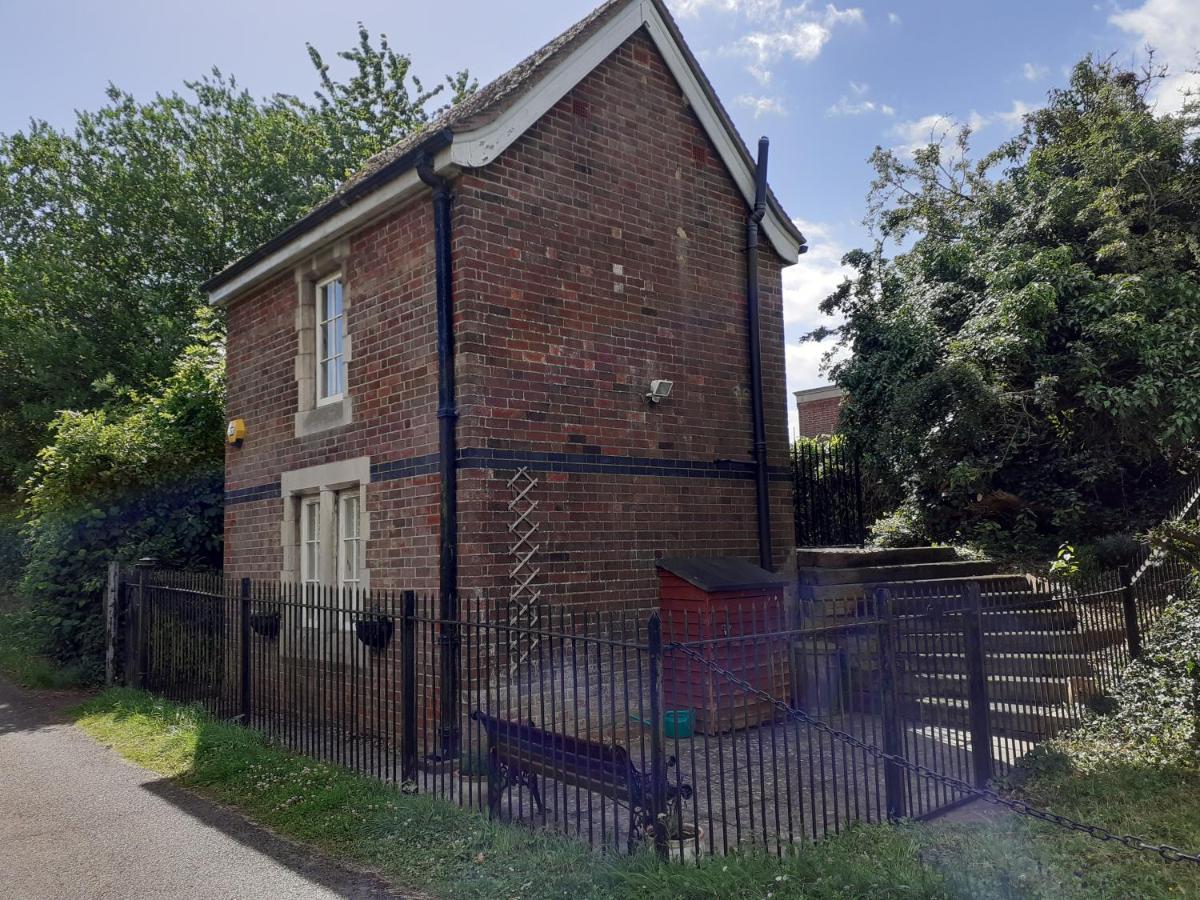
(677, 723)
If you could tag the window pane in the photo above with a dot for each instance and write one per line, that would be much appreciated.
(310, 534)
(334, 291)
(328, 378)
(331, 327)
(348, 528)
(334, 347)
(335, 375)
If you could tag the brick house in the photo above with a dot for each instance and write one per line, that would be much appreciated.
(457, 347)
(819, 410)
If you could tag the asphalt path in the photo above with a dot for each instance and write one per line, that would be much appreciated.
(77, 821)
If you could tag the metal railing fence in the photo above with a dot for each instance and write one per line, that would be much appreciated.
(617, 727)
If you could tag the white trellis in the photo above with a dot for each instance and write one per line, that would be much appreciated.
(524, 593)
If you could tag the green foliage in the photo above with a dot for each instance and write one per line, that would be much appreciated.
(1156, 720)
(1066, 563)
(22, 663)
(368, 113)
(107, 230)
(898, 529)
(12, 554)
(1024, 371)
(111, 416)
(141, 479)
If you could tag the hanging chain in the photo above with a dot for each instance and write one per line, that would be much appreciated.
(1167, 852)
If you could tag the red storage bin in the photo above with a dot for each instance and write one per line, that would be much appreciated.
(732, 613)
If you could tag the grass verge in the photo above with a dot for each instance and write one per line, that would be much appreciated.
(422, 843)
(21, 663)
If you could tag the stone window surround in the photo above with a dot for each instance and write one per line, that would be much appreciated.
(313, 417)
(328, 481)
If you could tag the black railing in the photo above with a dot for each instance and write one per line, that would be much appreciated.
(827, 495)
(624, 727)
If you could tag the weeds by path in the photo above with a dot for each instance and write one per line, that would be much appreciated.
(21, 663)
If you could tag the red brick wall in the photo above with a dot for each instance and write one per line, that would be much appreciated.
(392, 379)
(619, 258)
(603, 249)
(818, 417)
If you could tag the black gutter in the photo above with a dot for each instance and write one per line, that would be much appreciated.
(761, 483)
(438, 140)
(447, 459)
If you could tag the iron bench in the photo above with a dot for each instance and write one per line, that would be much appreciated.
(518, 753)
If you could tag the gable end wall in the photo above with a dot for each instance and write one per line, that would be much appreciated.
(604, 249)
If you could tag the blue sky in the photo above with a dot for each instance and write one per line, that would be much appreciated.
(826, 82)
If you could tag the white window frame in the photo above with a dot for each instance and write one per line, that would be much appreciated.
(310, 542)
(349, 539)
(320, 359)
(325, 488)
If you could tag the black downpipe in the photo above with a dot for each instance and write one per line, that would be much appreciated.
(447, 463)
(761, 481)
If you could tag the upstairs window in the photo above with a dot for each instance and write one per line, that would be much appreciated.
(331, 331)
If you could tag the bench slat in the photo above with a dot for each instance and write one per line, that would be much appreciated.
(579, 762)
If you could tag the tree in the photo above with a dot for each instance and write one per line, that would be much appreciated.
(1027, 369)
(107, 231)
(111, 413)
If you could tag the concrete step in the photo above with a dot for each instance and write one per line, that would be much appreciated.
(1062, 665)
(1034, 642)
(1019, 688)
(1010, 590)
(849, 557)
(1021, 720)
(1047, 618)
(880, 574)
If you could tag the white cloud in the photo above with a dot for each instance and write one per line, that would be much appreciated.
(751, 9)
(1015, 117)
(1172, 28)
(775, 30)
(1034, 72)
(894, 18)
(915, 134)
(805, 285)
(847, 107)
(812, 279)
(762, 105)
(844, 107)
(762, 76)
(797, 32)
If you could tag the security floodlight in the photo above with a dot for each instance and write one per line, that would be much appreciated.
(660, 390)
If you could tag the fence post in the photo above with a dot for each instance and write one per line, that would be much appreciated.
(244, 640)
(112, 588)
(408, 687)
(893, 736)
(1133, 632)
(136, 644)
(658, 763)
(978, 711)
